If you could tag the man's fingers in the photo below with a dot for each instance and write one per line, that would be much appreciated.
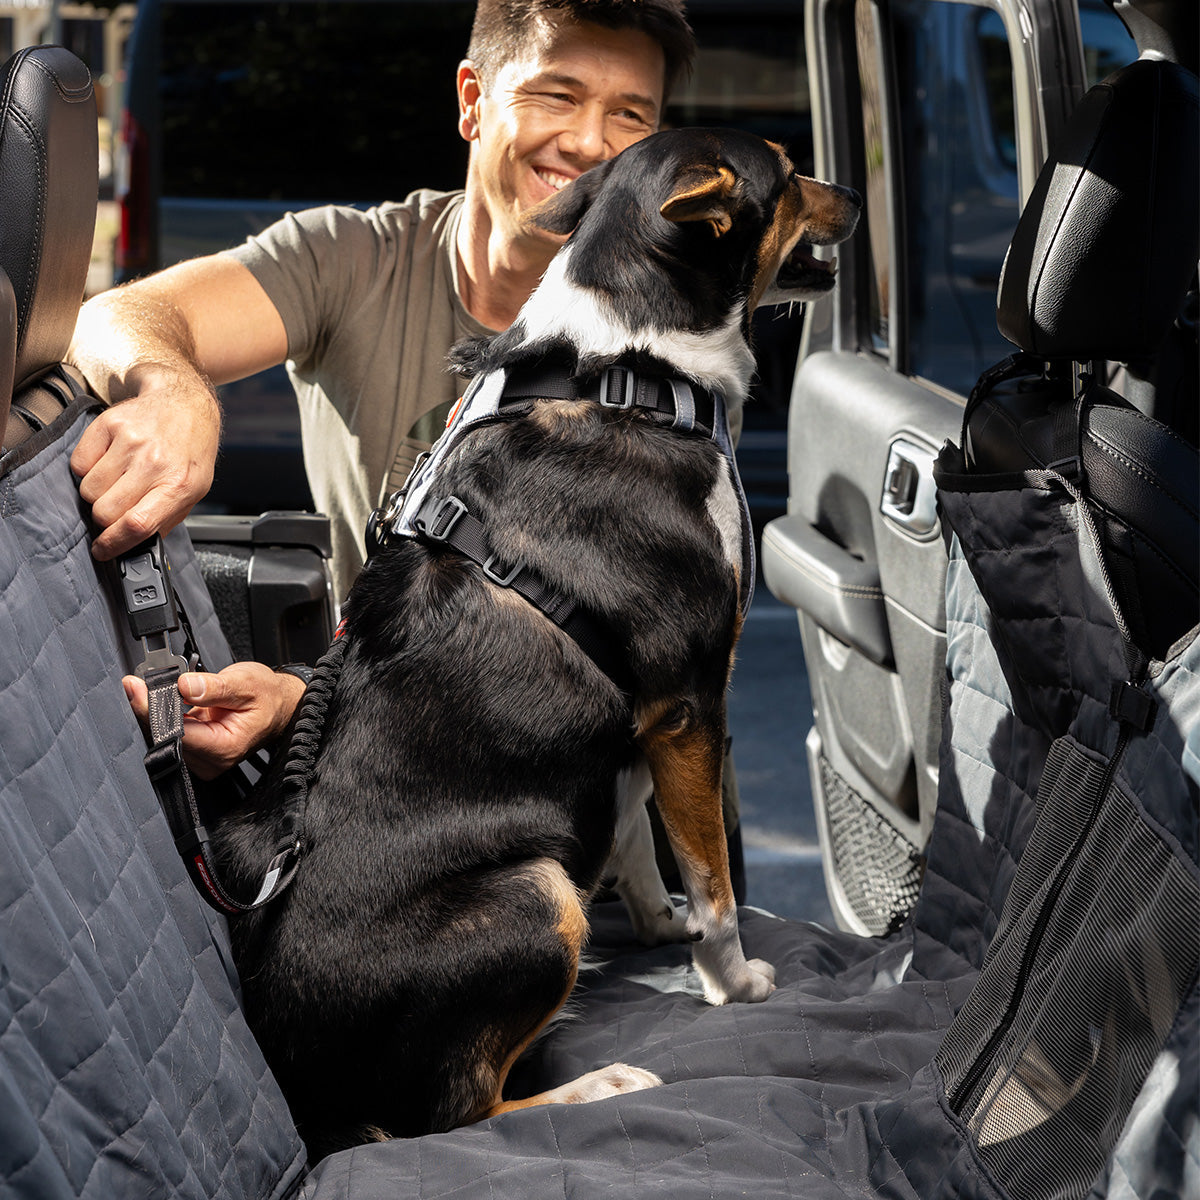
(149, 516)
(237, 687)
(143, 464)
(91, 447)
(137, 695)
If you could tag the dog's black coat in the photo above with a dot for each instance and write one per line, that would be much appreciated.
(468, 738)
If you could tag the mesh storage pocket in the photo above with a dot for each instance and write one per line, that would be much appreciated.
(878, 868)
(1097, 946)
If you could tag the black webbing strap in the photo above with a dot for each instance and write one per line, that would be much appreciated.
(446, 520)
(687, 406)
(153, 610)
(173, 784)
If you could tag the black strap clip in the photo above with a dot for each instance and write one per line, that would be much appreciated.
(618, 388)
(441, 523)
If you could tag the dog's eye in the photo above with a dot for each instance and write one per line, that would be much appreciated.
(677, 717)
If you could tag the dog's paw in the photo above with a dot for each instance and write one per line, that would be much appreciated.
(612, 1080)
(754, 983)
(660, 926)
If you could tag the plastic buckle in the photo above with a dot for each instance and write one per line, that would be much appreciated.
(505, 579)
(445, 517)
(621, 380)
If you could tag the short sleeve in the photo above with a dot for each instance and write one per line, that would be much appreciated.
(316, 265)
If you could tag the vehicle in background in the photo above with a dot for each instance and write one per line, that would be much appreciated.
(238, 112)
(940, 113)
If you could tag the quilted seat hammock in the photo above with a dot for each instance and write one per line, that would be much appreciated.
(1033, 1029)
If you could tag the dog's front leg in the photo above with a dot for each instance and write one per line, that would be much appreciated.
(686, 753)
(636, 877)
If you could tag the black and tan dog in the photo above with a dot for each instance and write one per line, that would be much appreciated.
(506, 702)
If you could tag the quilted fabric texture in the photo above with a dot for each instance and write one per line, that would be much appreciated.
(974, 1053)
(838, 1085)
(126, 1068)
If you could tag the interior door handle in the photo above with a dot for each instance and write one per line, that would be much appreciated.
(804, 568)
(909, 493)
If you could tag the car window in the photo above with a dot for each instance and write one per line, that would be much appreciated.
(950, 71)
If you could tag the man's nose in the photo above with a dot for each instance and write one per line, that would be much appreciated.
(584, 137)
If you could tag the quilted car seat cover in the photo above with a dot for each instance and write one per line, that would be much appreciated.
(1057, 927)
(126, 1066)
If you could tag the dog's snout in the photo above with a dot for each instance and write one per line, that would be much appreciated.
(853, 197)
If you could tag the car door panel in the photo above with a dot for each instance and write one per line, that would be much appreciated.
(939, 112)
(870, 593)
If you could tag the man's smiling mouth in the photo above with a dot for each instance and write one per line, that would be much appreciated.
(552, 178)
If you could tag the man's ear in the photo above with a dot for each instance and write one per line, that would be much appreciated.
(470, 90)
(563, 211)
(705, 194)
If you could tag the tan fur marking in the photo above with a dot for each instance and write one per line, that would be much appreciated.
(686, 765)
(552, 881)
(786, 228)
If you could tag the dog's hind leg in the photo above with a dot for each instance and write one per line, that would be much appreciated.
(552, 881)
(637, 879)
(686, 754)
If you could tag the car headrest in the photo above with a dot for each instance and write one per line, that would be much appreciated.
(1108, 241)
(48, 189)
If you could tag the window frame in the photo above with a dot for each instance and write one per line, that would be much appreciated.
(1046, 46)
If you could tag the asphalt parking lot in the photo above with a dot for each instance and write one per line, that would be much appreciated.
(769, 717)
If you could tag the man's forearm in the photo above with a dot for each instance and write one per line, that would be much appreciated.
(128, 338)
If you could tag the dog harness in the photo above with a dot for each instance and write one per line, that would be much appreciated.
(415, 511)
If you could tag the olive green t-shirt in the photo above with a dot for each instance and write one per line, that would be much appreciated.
(370, 304)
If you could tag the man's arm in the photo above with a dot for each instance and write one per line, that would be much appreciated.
(154, 349)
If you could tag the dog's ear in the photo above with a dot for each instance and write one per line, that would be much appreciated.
(704, 195)
(563, 211)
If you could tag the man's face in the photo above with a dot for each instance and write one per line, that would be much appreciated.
(578, 97)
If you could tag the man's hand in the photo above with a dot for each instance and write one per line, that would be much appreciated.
(244, 707)
(153, 350)
(145, 462)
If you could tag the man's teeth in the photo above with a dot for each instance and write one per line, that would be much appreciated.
(557, 182)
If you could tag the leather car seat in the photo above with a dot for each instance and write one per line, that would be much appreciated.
(49, 177)
(1102, 270)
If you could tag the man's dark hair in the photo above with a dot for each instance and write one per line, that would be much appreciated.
(502, 29)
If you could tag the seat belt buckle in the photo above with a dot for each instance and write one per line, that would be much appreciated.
(149, 602)
(146, 589)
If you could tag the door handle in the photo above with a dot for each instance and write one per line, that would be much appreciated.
(804, 568)
(909, 493)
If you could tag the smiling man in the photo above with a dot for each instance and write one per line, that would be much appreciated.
(364, 306)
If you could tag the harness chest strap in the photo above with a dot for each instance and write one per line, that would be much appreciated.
(447, 520)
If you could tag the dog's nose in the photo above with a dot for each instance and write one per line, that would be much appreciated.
(853, 197)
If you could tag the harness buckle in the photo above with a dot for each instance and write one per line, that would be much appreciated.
(496, 577)
(445, 517)
(623, 382)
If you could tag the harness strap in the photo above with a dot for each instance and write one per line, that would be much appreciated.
(688, 407)
(446, 520)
